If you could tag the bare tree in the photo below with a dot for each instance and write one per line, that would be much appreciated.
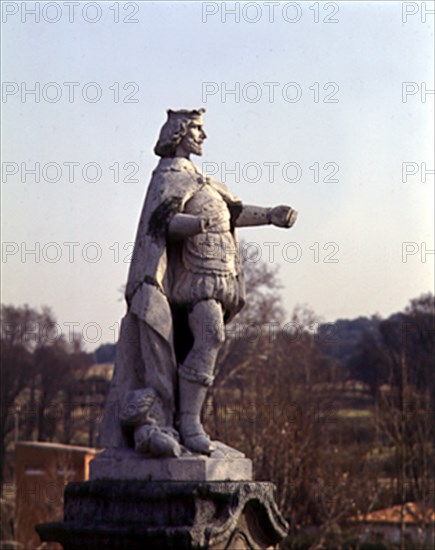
(39, 368)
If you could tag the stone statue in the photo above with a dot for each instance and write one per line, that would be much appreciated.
(185, 282)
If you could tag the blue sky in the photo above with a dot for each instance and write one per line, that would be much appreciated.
(168, 56)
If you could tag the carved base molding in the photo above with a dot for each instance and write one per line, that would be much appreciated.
(176, 515)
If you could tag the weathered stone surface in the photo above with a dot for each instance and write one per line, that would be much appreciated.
(224, 464)
(167, 515)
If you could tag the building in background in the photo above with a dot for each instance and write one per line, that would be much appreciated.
(410, 521)
(41, 472)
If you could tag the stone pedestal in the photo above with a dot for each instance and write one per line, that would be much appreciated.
(133, 514)
(224, 464)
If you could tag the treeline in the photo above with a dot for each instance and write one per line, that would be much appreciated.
(354, 344)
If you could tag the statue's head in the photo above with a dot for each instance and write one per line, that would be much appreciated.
(181, 126)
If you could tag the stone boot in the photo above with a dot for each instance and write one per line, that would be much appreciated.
(193, 436)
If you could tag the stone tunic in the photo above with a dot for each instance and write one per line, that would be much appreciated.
(210, 260)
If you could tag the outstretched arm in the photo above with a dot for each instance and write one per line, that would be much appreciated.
(184, 225)
(281, 216)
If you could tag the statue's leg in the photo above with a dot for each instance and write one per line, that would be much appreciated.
(196, 373)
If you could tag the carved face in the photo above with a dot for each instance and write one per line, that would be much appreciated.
(192, 141)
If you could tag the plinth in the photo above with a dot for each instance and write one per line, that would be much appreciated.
(168, 514)
(224, 464)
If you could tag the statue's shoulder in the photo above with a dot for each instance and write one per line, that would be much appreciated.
(168, 173)
(172, 177)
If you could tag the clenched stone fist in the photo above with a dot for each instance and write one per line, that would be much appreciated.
(282, 216)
